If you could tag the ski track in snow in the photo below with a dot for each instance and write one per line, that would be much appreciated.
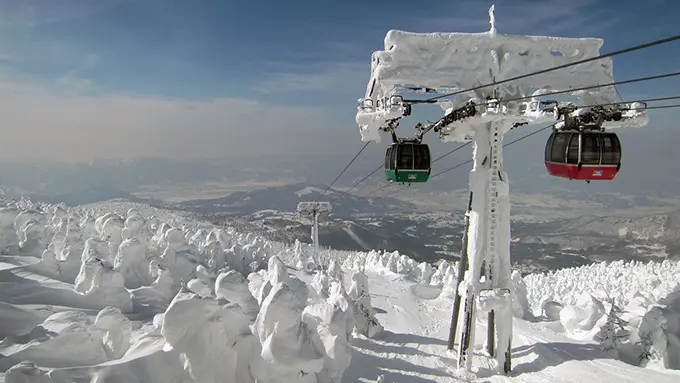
(414, 347)
(410, 349)
(355, 237)
(9, 262)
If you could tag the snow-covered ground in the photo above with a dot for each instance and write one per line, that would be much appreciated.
(120, 292)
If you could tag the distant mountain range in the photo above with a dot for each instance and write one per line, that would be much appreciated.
(286, 198)
(361, 224)
(628, 224)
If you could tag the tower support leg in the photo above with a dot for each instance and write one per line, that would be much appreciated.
(462, 266)
(487, 248)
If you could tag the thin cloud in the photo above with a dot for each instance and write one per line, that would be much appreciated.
(73, 84)
(32, 13)
(21, 53)
(21, 50)
(328, 77)
(74, 81)
(41, 125)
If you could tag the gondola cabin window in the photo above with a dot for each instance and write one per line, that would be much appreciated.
(406, 156)
(422, 157)
(611, 150)
(590, 152)
(389, 158)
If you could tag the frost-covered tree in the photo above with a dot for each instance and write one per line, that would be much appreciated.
(365, 321)
(614, 331)
(653, 340)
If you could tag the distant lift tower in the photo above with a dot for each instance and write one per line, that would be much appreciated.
(446, 63)
(313, 211)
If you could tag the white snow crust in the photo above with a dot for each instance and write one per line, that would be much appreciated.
(466, 60)
(126, 293)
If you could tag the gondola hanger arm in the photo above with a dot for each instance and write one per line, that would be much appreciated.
(465, 111)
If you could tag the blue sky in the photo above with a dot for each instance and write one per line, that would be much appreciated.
(276, 65)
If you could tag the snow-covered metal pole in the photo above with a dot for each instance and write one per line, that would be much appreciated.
(315, 234)
(462, 266)
(313, 211)
(488, 248)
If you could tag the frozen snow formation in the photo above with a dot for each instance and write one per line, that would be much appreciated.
(214, 339)
(579, 299)
(151, 291)
(292, 340)
(582, 316)
(331, 325)
(642, 332)
(444, 276)
(99, 281)
(392, 262)
(30, 229)
(27, 372)
(233, 287)
(604, 279)
(72, 336)
(131, 261)
(365, 321)
(9, 242)
(16, 321)
(223, 304)
(287, 347)
(632, 308)
(520, 301)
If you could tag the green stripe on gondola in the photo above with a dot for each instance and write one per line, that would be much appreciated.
(407, 176)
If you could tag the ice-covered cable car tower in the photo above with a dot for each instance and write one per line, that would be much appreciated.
(450, 62)
(313, 211)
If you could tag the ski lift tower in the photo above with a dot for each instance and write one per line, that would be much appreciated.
(312, 211)
(446, 63)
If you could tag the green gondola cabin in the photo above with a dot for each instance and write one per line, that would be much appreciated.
(407, 163)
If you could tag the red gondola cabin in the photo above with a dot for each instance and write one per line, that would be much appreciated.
(586, 156)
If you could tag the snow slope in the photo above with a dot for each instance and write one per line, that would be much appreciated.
(126, 293)
(413, 346)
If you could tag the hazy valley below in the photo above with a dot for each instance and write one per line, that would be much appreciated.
(539, 242)
(551, 228)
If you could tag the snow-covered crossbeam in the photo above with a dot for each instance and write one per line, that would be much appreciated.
(310, 208)
(448, 62)
(466, 60)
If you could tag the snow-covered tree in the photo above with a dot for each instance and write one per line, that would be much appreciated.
(652, 338)
(614, 331)
(365, 321)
